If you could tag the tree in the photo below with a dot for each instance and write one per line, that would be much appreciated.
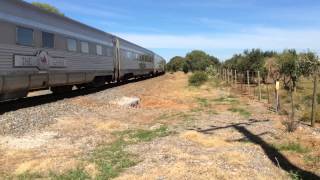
(291, 72)
(48, 8)
(310, 65)
(175, 64)
(185, 68)
(199, 60)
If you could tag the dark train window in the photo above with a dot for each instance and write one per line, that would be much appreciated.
(24, 36)
(72, 45)
(47, 40)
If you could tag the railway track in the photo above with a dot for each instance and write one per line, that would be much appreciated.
(13, 105)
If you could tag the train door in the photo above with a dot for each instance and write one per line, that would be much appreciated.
(116, 61)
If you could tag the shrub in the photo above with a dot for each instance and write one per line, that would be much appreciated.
(198, 78)
(185, 68)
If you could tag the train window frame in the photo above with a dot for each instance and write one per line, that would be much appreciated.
(86, 49)
(17, 36)
(53, 39)
(74, 40)
(99, 47)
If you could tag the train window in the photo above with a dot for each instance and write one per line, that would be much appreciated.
(24, 36)
(47, 40)
(128, 54)
(84, 47)
(109, 51)
(137, 56)
(99, 50)
(72, 44)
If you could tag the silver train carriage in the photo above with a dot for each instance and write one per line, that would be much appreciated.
(42, 50)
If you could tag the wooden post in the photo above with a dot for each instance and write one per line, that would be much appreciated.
(268, 93)
(277, 96)
(248, 80)
(228, 76)
(259, 85)
(314, 100)
(235, 76)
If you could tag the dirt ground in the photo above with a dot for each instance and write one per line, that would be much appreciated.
(216, 133)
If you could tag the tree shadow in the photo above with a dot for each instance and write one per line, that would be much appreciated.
(272, 153)
(13, 105)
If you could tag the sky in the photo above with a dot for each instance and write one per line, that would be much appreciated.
(219, 27)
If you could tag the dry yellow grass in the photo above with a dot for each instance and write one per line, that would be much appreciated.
(204, 140)
(181, 170)
(57, 164)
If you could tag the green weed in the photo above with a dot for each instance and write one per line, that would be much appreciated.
(241, 111)
(293, 147)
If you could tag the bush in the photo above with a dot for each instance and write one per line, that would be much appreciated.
(198, 78)
(185, 68)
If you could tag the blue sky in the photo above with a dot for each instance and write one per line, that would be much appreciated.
(220, 27)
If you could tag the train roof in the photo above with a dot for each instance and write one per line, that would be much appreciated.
(71, 21)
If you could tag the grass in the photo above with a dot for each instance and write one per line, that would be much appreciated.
(312, 160)
(148, 135)
(292, 146)
(241, 111)
(226, 100)
(203, 102)
(27, 176)
(294, 175)
(78, 174)
(110, 159)
(113, 159)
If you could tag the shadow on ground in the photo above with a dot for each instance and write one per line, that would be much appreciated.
(272, 153)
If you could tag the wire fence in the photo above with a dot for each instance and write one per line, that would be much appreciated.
(306, 96)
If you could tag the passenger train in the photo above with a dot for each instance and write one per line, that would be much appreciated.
(43, 50)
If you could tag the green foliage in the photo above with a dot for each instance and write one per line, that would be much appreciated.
(198, 78)
(175, 64)
(78, 174)
(241, 111)
(253, 60)
(294, 175)
(312, 160)
(194, 61)
(199, 60)
(148, 135)
(27, 176)
(289, 68)
(211, 71)
(48, 8)
(185, 68)
(308, 63)
(112, 159)
(226, 100)
(293, 147)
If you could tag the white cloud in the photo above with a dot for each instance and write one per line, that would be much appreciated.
(265, 38)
